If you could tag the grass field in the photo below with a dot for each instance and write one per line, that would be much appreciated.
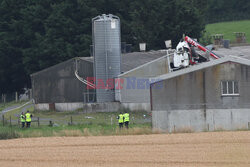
(8, 132)
(77, 117)
(228, 29)
(75, 123)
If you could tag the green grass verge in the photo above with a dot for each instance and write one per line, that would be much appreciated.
(9, 132)
(79, 117)
(228, 29)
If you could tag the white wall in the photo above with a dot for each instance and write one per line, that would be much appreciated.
(200, 120)
(95, 107)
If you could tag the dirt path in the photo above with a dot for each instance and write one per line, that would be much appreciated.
(224, 149)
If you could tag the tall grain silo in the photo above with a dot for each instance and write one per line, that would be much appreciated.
(107, 53)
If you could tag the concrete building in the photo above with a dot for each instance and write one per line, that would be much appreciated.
(206, 97)
(58, 88)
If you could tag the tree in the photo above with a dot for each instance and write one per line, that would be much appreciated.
(12, 74)
(227, 10)
(154, 22)
(36, 34)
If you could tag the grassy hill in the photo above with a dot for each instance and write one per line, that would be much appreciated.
(228, 29)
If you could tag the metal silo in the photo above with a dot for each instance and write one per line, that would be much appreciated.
(107, 53)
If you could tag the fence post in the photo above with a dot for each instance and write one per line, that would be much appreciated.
(10, 121)
(111, 120)
(50, 123)
(16, 97)
(71, 120)
(4, 98)
(3, 120)
(38, 121)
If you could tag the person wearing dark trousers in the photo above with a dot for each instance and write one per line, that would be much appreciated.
(120, 120)
(22, 119)
(126, 119)
(28, 117)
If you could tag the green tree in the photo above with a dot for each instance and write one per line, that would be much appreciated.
(12, 74)
(36, 34)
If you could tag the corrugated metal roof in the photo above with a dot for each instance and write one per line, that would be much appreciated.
(129, 60)
(241, 51)
(51, 67)
(135, 59)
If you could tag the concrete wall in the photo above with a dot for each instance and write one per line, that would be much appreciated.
(200, 120)
(195, 100)
(135, 90)
(95, 107)
(137, 81)
(202, 88)
(137, 106)
(59, 106)
(42, 106)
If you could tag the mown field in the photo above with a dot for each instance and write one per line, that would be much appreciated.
(210, 149)
(228, 29)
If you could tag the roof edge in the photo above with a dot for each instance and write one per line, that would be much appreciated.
(201, 66)
(56, 65)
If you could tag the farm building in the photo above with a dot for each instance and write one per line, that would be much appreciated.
(58, 84)
(209, 96)
(62, 87)
(58, 87)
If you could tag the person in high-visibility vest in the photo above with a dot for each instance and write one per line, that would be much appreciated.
(120, 120)
(22, 119)
(126, 119)
(28, 117)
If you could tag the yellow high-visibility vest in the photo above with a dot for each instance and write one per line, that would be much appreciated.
(22, 118)
(28, 117)
(126, 117)
(120, 118)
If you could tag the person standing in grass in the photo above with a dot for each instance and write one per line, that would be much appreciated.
(28, 117)
(22, 119)
(126, 119)
(120, 120)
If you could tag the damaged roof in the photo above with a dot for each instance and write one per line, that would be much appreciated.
(201, 66)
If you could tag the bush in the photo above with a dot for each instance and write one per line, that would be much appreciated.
(206, 38)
